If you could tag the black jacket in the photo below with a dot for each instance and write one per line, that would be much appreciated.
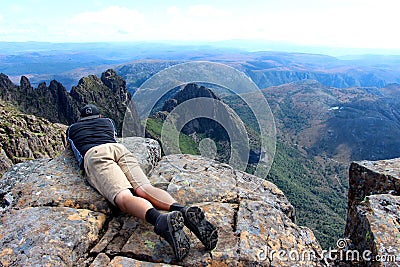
(85, 134)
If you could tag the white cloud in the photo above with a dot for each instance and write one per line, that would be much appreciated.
(173, 11)
(207, 11)
(352, 23)
(196, 22)
(113, 15)
(110, 23)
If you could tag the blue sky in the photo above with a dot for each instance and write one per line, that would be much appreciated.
(333, 23)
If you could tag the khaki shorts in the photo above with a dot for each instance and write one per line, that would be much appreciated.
(111, 168)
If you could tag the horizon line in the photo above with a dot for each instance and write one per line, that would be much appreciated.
(240, 44)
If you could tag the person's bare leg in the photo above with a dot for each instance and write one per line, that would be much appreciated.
(161, 199)
(132, 205)
(169, 226)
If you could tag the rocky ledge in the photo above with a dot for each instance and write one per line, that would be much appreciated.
(50, 216)
(373, 216)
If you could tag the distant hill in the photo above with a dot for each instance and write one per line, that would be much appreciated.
(273, 68)
(68, 62)
(346, 124)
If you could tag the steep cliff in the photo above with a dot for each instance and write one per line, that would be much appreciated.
(203, 125)
(52, 217)
(110, 94)
(373, 216)
(57, 105)
(25, 137)
(201, 115)
(52, 102)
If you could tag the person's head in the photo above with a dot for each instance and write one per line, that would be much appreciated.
(89, 111)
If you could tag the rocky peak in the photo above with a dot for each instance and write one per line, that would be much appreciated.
(116, 83)
(5, 82)
(7, 88)
(73, 225)
(42, 102)
(57, 105)
(25, 83)
(200, 114)
(109, 94)
(189, 91)
(193, 90)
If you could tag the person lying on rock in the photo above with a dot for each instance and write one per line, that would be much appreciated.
(113, 171)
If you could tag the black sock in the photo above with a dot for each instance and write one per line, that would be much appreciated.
(152, 216)
(176, 206)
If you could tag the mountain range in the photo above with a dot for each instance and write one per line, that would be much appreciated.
(67, 63)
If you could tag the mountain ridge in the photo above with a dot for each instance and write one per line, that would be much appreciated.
(67, 63)
(54, 103)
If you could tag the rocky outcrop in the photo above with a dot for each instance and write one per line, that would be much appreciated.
(191, 91)
(199, 114)
(373, 216)
(57, 105)
(52, 102)
(197, 124)
(25, 137)
(52, 217)
(110, 94)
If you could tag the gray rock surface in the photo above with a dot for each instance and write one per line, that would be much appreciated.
(74, 226)
(26, 137)
(147, 151)
(48, 236)
(373, 219)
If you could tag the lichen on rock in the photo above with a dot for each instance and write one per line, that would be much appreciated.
(75, 226)
(373, 219)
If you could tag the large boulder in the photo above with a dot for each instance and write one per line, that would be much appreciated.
(147, 151)
(51, 216)
(48, 236)
(373, 219)
(26, 137)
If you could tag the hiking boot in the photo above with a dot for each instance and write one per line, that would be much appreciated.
(174, 234)
(203, 229)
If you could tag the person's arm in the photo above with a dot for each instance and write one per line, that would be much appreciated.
(67, 138)
(67, 133)
(77, 154)
(114, 128)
